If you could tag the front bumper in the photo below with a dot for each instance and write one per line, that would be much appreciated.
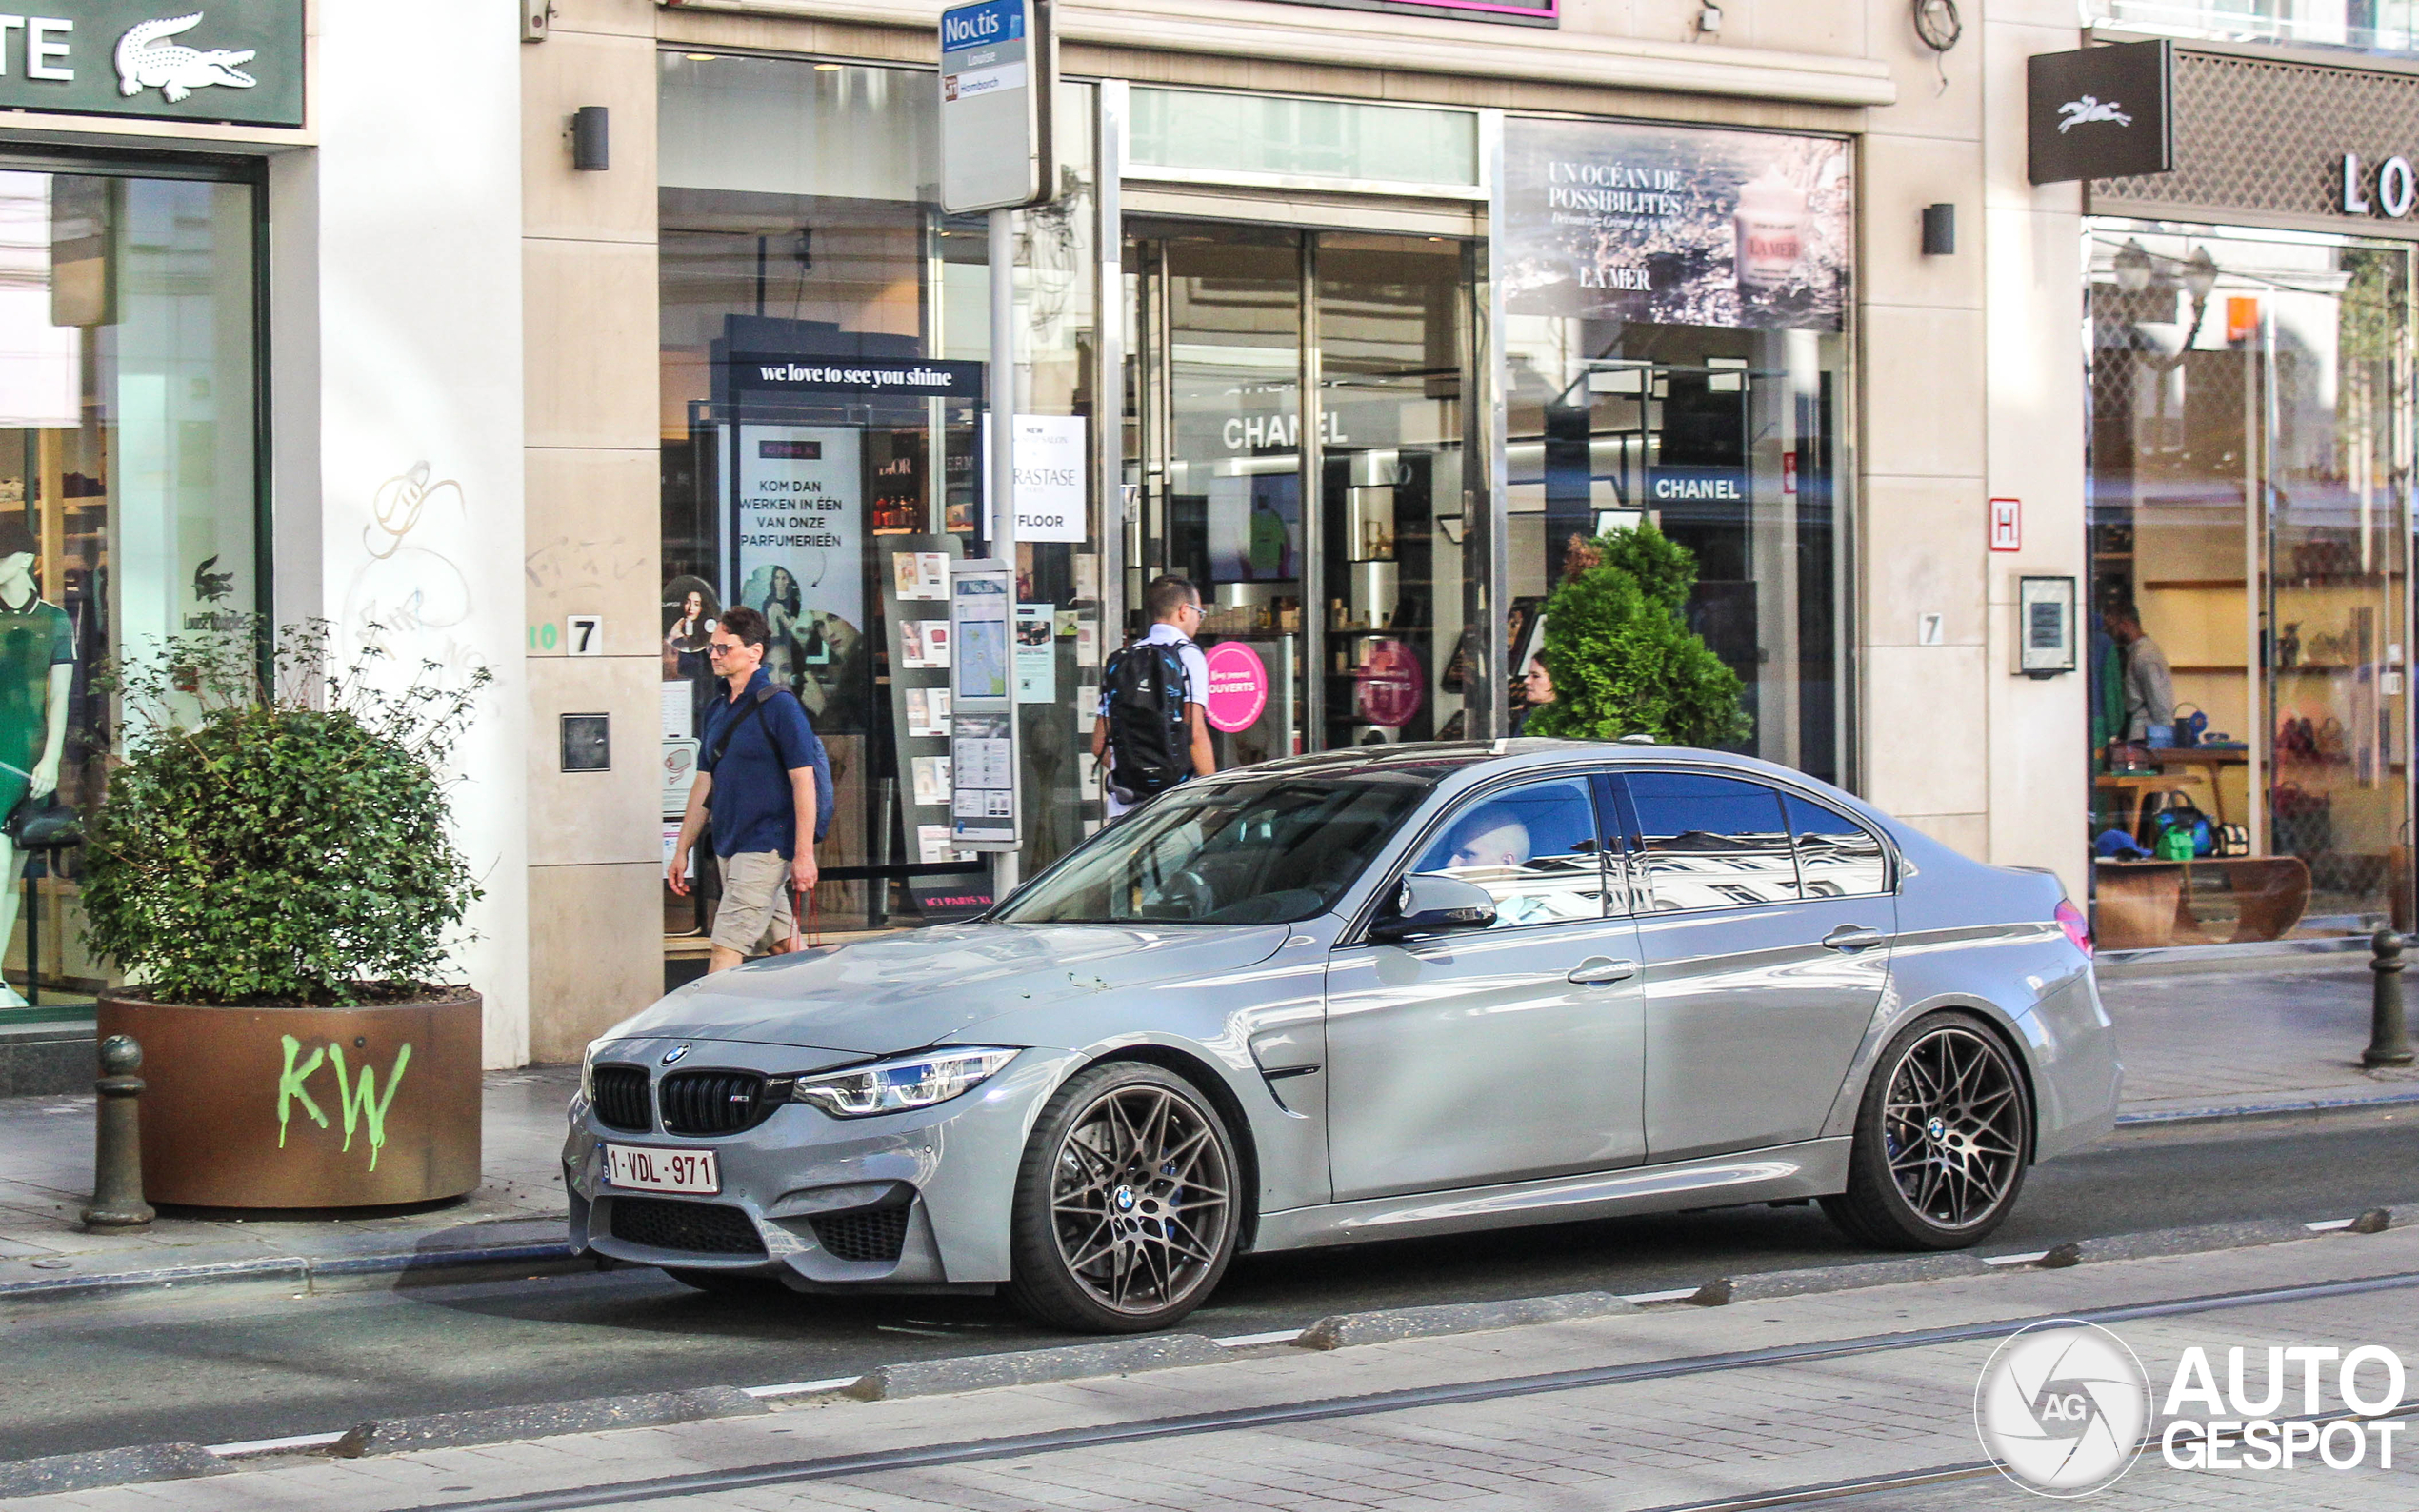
(809, 1184)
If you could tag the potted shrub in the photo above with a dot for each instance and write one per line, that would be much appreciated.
(271, 871)
(1623, 659)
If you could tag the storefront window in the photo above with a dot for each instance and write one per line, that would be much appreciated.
(826, 365)
(2384, 26)
(129, 511)
(2250, 474)
(1221, 334)
(1674, 351)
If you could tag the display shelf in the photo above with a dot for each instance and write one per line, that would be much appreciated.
(2189, 583)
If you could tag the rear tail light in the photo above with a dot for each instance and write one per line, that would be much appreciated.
(2078, 929)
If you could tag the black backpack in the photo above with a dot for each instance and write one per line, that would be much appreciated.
(1149, 749)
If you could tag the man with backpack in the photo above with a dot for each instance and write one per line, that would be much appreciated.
(1152, 729)
(764, 781)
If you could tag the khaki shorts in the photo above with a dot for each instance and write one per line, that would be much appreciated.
(755, 915)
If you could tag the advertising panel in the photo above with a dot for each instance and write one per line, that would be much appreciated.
(797, 522)
(1613, 221)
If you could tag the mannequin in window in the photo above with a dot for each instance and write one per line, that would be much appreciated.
(37, 669)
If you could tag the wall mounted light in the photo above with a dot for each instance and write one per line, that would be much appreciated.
(592, 139)
(1940, 230)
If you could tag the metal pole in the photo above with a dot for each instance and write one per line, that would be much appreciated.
(117, 1143)
(1002, 490)
(2389, 1044)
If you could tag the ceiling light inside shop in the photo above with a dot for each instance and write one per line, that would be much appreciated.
(700, 57)
(827, 67)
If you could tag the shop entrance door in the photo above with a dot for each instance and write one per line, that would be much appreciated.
(2250, 472)
(1327, 534)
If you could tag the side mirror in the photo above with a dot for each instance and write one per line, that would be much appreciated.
(1428, 904)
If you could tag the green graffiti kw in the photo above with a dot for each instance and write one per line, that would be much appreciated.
(360, 1102)
(369, 1104)
(290, 1085)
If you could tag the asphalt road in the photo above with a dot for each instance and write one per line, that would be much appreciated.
(224, 1362)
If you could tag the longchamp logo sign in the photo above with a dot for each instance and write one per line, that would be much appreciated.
(2101, 112)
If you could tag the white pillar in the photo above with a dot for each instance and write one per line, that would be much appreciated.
(398, 405)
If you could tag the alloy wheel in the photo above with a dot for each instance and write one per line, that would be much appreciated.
(1952, 1127)
(1140, 1199)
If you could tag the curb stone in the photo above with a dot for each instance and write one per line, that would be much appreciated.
(1764, 1285)
(2302, 1107)
(294, 1267)
(59, 1473)
(925, 1378)
(455, 1430)
(1384, 1325)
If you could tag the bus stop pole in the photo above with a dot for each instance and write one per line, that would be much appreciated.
(1001, 488)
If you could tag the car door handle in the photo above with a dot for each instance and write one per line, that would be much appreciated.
(1597, 971)
(1853, 937)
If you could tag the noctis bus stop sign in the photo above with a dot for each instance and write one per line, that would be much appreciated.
(997, 68)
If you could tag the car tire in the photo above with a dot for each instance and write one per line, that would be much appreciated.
(721, 1283)
(1128, 1203)
(1944, 1134)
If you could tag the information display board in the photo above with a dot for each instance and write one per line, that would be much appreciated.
(982, 756)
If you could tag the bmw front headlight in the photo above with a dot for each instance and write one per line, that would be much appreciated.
(898, 1085)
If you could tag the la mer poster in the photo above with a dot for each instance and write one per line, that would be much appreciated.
(1677, 227)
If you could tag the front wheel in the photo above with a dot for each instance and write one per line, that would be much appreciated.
(1943, 1137)
(1126, 1203)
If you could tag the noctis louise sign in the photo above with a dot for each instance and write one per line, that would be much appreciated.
(237, 61)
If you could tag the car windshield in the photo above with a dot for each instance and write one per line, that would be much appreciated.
(1252, 850)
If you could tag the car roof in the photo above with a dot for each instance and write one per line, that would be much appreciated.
(1456, 766)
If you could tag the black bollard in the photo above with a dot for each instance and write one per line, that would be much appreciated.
(2389, 1044)
(117, 1146)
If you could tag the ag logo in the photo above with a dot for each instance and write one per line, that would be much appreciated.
(2062, 1407)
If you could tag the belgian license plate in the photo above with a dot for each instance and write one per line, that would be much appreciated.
(644, 1170)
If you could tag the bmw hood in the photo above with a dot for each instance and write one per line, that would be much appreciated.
(908, 990)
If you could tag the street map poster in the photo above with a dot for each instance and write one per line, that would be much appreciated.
(1607, 221)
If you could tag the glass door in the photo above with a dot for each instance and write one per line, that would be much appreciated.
(2249, 471)
(1227, 328)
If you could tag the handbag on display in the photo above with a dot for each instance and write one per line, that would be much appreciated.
(2188, 728)
(2331, 742)
(43, 824)
(2180, 832)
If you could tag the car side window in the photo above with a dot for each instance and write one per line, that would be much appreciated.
(1708, 841)
(1836, 856)
(1534, 848)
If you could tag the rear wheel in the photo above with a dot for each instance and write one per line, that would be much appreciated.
(1126, 1203)
(1943, 1137)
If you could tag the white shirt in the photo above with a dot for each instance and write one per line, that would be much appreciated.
(1196, 667)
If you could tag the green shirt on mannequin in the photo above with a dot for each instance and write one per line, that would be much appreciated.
(32, 640)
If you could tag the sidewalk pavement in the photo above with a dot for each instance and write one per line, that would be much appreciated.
(2198, 1045)
(1673, 1407)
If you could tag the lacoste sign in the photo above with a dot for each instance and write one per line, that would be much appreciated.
(2101, 112)
(237, 61)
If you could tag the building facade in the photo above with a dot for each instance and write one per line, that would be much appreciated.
(1357, 315)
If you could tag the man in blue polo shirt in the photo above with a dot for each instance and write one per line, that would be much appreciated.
(757, 768)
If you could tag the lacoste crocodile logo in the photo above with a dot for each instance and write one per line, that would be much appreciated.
(2091, 108)
(145, 61)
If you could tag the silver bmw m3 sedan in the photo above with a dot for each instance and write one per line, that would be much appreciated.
(1363, 996)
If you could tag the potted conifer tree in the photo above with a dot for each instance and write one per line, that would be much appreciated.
(271, 871)
(1623, 659)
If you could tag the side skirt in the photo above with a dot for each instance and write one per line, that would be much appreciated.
(1812, 1168)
